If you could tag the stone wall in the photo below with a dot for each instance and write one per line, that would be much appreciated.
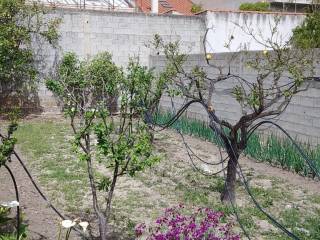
(301, 118)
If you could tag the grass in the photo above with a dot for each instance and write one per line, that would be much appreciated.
(49, 152)
(305, 228)
(273, 150)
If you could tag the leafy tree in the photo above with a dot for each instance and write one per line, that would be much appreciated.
(279, 75)
(308, 34)
(121, 143)
(20, 23)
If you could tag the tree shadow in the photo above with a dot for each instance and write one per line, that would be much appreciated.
(26, 102)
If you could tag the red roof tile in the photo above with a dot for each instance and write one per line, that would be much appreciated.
(166, 6)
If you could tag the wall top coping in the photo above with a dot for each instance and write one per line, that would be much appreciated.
(248, 12)
(124, 13)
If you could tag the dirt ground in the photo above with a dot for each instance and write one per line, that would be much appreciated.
(155, 192)
(41, 219)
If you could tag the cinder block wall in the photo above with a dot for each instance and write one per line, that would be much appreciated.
(124, 35)
(301, 118)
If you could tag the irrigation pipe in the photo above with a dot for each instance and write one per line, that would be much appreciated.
(43, 196)
(17, 199)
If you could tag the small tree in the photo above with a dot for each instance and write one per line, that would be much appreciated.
(120, 143)
(280, 74)
(20, 23)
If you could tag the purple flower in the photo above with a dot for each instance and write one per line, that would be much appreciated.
(202, 224)
(139, 229)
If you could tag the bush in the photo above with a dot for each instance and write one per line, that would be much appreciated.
(308, 34)
(175, 224)
(196, 8)
(258, 6)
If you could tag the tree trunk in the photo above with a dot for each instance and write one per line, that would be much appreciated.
(102, 220)
(228, 194)
(102, 226)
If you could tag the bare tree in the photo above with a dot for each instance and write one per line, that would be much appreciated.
(280, 72)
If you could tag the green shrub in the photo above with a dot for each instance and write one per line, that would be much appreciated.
(258, 6)
(196, 8)
(307, 35)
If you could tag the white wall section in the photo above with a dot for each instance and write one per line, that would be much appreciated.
(223, 25)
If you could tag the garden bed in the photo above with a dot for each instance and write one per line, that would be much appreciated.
(45, 145)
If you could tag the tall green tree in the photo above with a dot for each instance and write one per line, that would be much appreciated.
(20, 23)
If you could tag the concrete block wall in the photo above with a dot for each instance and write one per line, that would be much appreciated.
(124, 35)
(301, 118)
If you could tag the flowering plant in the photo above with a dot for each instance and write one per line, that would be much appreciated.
(202, 224)
(9, 229)
(69, 224)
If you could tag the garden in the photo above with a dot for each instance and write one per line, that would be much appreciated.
(143, 199)
(116, 165)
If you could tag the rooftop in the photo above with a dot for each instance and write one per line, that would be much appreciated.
(91, 4)
(167, 6)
